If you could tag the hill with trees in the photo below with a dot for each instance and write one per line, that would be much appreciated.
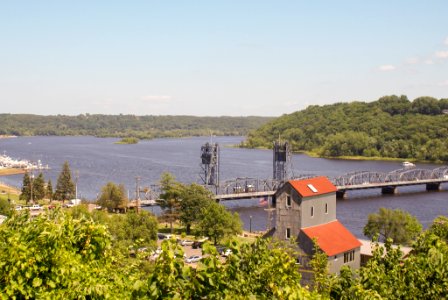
(392, 127)
(143, 127)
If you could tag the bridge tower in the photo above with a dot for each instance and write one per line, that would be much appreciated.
(282, 158)
(210, 164)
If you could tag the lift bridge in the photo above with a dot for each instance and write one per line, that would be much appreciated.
(248, 187)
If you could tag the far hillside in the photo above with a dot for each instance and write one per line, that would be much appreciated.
(391, 127)
(142, 127)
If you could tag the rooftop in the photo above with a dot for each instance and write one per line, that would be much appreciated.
(333, 238)
(313, 186)
(367, 247)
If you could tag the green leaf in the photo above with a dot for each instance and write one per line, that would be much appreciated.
(37, 282)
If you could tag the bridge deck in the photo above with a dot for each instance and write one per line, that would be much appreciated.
(242, 195)
(250, 195)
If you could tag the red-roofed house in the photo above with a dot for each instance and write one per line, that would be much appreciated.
(306, 211)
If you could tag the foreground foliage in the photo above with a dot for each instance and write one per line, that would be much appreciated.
(390, 127)
(74, 255)
(62, 256)
(55, 256)
(389, 275)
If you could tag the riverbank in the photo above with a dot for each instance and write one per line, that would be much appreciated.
(360, 158)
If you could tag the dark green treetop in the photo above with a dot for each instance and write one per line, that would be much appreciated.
(65, 188)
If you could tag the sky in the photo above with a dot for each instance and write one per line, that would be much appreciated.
(215, 58)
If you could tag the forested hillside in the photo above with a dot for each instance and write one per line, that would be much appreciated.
(392, 127)
(126, 125)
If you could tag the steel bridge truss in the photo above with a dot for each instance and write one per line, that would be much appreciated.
(401, 175)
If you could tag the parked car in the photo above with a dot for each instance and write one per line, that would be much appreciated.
(186, 243)
(161, 236)
(226, 253)
(35, 207)
(193, 259)
(19, 207)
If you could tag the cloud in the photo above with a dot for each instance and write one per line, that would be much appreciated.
(444, 83)
(412, 61)
(446, 41)
(429, 62)
(157, 98)
(386, 68)
(442, 54)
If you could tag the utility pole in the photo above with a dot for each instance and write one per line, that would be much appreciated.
(76, 183)
(31, 187)
(137, 192)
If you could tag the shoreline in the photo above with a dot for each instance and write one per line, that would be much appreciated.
(359, 158)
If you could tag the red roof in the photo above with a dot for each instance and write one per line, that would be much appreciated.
(333, 238)
(313, 186)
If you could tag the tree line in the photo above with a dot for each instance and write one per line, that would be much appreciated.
(392, 127)
(142, 127)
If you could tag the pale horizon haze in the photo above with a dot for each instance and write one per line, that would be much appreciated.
(217, 58)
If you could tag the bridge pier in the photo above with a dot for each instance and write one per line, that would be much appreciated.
(340, 194)
(433, 186)
(389, 190)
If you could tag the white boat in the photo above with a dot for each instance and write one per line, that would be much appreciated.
(407, 164)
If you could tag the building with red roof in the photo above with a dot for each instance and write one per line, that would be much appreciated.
(306, 212)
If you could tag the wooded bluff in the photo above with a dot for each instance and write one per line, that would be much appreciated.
(143, 127)
(392, 127)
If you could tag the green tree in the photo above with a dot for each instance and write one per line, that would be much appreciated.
(216, 222)
(49, 190)
(439, 227)
(319, 266)
(54, 256)
(170, 198)
(194, 199)
(133, 229)
(426, 106)
(113, 196)
(394, 105)
(5, 207)
(26, 188)
(65, 188)
(398, 225)
(39, 187)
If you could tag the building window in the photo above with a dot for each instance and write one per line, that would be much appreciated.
(312, 211)
(335, 258)
(288, 201)
(326, 208)
(288, 233)
(349, 256)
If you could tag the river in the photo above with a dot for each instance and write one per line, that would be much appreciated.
(99, 160)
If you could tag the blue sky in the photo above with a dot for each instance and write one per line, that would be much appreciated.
(216, 58)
